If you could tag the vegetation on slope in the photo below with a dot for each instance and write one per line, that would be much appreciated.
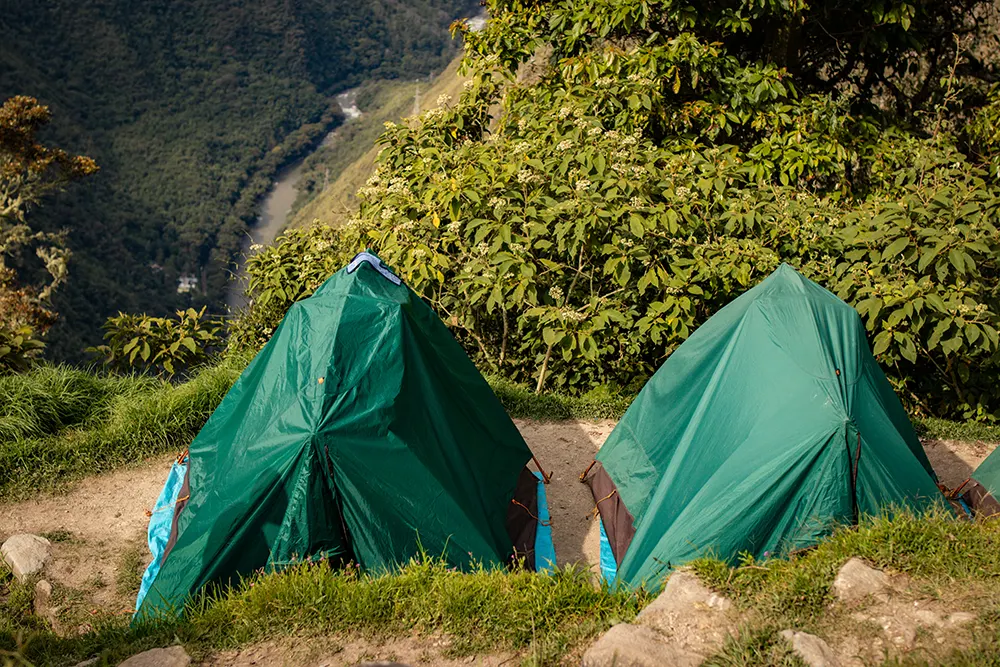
(189, 109)
(334, 174)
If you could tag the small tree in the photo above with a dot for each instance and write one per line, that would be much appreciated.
(28, 172)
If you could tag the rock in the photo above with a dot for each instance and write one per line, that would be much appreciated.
(693, 617)
(86, 663)
(856, 581)
(960, 618)
(43, 605)
(174, 656)
(25, 554)
(627, 645)
(811, 649)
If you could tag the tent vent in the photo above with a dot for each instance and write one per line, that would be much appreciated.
(376, 264)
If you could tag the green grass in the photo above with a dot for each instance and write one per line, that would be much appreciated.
(936, 547)
(539, 616)
(59, 424)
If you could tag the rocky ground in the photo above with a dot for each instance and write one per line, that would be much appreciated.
(96, 536)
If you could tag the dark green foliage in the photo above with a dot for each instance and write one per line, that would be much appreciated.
(18, 348)
(190, 108)
(647, 176)
(168, 345)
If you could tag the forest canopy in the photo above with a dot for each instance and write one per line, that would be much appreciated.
(190, 108)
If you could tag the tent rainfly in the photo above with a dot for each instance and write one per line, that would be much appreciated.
(361, 432)
(768, 425)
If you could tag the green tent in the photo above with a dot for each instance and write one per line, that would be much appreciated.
(769, 423)
(980, 492)
(360, 432)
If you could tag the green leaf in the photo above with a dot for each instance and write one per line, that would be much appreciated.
(189, 344)
(881, 343)
(896, 247)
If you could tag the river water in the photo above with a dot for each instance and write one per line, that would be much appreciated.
(277, 205)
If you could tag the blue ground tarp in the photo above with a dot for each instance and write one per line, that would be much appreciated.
(159, 525)
(545, 551)
(609, 569)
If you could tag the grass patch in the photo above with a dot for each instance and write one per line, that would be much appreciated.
(753, 647)
(484, 610)
(130, 570)
(84, 426)
(968, 431)
(935, 547)
(522, 403)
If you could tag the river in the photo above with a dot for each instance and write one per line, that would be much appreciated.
(277, 205)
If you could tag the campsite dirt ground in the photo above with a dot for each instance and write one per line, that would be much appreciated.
(98, 531)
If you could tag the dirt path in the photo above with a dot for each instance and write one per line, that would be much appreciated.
(103, 519)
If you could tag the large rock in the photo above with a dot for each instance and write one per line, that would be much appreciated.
(811, 649)
(174, 656)
(693, 617)
(627, 645)
(25, 554)
(856, 580)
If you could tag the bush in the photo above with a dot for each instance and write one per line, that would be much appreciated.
(18, 348)
(166, 345)
(643, 181)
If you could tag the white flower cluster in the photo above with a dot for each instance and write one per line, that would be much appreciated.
(594, 131)
(388, 212)
(521, 124)
(454, 227)
(572, 315)
(629, 140)
(443, 99)
(322, 245)
(369, 192)
(419, 253)
(521, 147)
(638, 170)
(483, 248)
(583, 184)
(637, 202)
(626, 243)
(525, 175)
(468, 85)
(517, 248)
(564, 145)
(565, 112)
(389, 125)
(604, 82)
(256, 247)
(555, 292)
(398, 186)
(682, 192)
(612, 134)
(375, 178)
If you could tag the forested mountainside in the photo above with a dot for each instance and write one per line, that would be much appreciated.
(189, 108)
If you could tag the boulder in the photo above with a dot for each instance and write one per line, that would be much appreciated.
(856, 580)
(693, 617)
(174, 656)
(811, 649)
(25, 554)
(626, 645)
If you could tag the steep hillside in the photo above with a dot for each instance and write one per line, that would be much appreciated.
(336, 172)
(189, 108)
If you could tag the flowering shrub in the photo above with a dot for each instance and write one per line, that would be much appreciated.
(579, 234)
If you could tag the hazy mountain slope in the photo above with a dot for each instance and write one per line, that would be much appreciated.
(189, 107)
(391, 101)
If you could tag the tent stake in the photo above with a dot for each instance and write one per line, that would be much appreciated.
(583, 475)
(545, 478)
